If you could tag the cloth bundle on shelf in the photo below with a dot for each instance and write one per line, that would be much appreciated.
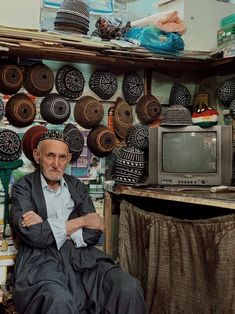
(156, 40)
(110, 29)
(168, 21)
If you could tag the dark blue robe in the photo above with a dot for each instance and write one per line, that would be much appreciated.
(71, 280)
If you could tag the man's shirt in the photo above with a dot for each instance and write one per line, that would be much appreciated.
(59, 206)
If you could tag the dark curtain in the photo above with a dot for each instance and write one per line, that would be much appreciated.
(185, 266)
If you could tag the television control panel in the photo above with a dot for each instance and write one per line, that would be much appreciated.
(183, 182)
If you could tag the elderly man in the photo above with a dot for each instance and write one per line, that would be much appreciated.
(58, 269)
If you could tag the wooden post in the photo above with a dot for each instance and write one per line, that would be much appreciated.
(108, 222)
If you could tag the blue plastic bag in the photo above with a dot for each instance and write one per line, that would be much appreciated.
(156, 40)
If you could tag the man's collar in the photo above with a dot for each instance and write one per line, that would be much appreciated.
(44, 183)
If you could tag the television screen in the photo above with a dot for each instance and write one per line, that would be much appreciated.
(189, 152)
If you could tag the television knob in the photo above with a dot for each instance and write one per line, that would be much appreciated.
(203, 182)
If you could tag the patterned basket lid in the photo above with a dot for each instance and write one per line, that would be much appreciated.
(10, 145)
(76, 23)
(70, 29)
(88, 112)
(1, 109)
(176, 115)
(132, 87)
(55, 109)
(123, 118)
(11, 78)
(20, 110)
(72, 17)
(104, 84)
(138, 136)
(69, 82)
(75, 7)
(180, 95)
(129, 168)
(101, 141)
(31, 138)
(38, 79)
(76, 140)
(148, 109)
(226, 91)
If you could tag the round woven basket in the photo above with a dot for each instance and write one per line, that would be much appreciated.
(104, 84)
(138, 136)
(55, 109)
(132, 87)
(20, 110)
(76, 140)
(88, 112)
(123, 118)
(11, 78)
(101, 141)
(180, 95)
(10, 145)
(69, 82)
(38, 79)
(226, 91)
(148, 109)
(31, 138)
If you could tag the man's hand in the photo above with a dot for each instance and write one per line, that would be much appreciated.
(30, 218)
(93, 221)
(90, 221)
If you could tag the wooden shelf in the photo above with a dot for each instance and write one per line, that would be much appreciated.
(59, 47)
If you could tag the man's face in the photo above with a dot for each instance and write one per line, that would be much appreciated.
(52, 157)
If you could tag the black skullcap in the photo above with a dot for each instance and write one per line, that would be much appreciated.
(55, 135)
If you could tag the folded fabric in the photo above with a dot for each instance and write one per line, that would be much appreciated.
(167, 21)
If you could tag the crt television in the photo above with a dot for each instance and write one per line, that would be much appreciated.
(190, 155)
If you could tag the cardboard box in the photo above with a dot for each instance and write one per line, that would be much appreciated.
(20, 14)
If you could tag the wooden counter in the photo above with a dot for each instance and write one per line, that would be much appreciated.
(196, 196)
